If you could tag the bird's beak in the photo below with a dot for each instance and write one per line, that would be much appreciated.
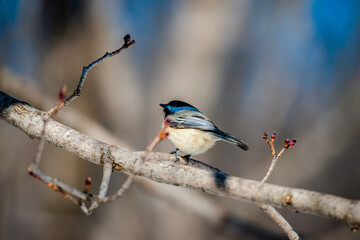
(162, 105)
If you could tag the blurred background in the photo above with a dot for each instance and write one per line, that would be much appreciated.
(285, 66)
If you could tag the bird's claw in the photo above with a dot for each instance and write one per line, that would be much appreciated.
(186, 159)
(176, 155)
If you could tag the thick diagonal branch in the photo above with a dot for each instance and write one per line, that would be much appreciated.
(160, 167)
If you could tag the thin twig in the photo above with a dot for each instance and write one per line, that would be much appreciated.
(107, 170)
(270, 210)
(67, 191)
(86, 69)
(50, 114)
(125, 186)
(280, 220)
(161, 135)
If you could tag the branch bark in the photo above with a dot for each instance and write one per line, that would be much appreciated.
(160, 167)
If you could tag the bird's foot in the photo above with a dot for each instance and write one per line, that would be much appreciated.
(186, 158)
(175, 153)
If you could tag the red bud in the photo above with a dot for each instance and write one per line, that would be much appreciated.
(62, 93)
(88, 181)
(265, 136)
(273, 136)
(292, 142)
(166, 123)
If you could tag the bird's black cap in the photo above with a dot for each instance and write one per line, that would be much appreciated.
(176, 103)
(175, 106)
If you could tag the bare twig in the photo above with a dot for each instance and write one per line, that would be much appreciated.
(50, 114)
(269, 210)
(280, 221)
(77, 91)
(162, 135)
(107, 170)
(68, 192)
(125, 186)
(287, 144)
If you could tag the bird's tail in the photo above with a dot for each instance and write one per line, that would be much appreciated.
(231, 139)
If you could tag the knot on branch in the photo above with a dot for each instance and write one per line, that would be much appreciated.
(77, 92)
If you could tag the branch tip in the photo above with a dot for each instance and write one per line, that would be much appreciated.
(163, 133)
(127, 41)
(87, 187)
(286, 143)
(292, 142)
(62, 93)
(127, 38)
(289, 144)
(273, 136)
(265, 136)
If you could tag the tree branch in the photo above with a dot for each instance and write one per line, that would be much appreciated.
(160, 167)
(200, 205)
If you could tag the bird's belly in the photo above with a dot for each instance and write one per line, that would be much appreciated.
(191, 141)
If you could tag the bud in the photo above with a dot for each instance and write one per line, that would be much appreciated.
(265, 136)
(87, 185)
(31, 173)
(273, 136)
(127, 38)
(88, 181)
(166, 123)
(292, 142)
(163, 134)
(287, 143)
(62, 93)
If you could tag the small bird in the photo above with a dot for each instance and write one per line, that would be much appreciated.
(192, 132)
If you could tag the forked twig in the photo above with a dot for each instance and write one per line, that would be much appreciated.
(270, 210)
(161, 135)
(287, 144)
(67, 191)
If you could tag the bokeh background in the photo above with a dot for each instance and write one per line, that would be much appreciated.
(289, 66)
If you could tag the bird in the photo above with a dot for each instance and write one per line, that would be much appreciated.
(192, 132)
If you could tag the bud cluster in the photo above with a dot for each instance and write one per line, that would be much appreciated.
(288, 143)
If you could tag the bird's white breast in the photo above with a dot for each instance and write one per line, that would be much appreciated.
(191, 141)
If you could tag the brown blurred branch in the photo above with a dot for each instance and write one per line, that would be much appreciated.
(160, 167)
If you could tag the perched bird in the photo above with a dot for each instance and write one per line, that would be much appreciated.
(191, 131)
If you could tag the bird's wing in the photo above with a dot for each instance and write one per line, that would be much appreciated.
(203, 123)
(195, 122)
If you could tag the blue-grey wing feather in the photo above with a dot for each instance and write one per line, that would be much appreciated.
(198, 121)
